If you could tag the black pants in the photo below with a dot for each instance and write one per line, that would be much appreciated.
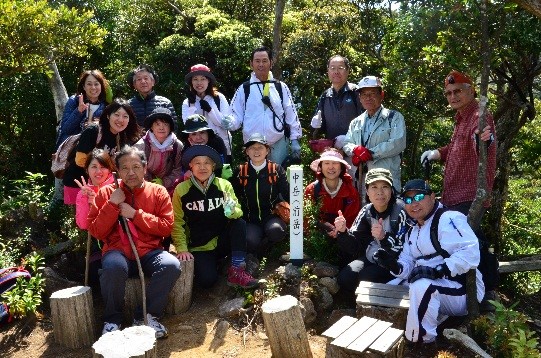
(231, 242)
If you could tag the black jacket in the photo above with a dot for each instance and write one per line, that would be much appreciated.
(144, 106)
(259, 197)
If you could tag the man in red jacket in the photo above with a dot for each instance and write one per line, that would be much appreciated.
(148, 211)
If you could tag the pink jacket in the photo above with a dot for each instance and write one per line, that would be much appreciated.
(82, 208)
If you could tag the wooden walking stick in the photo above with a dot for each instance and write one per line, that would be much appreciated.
(124, 223)
(88, 243)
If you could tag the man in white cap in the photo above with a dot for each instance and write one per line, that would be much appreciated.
(377, 137)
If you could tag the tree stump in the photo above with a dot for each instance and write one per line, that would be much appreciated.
(285, 328)
(137, 341)
(72, 313)
(180, 297)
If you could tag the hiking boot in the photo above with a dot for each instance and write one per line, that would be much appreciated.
(109, 327)
(161, 331)
(238, 277)
(486, 306)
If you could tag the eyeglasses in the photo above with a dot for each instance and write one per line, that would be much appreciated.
(417, 197)
(455, 92)
(337, 68)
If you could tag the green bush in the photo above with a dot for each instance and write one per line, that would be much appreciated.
(521, 232)
(506, 333)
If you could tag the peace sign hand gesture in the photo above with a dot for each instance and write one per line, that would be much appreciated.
(86, 189)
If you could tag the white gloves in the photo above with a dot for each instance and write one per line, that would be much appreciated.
(316, 120)
(227, 122)
(339, 141)
(229, 205)
(430, 155)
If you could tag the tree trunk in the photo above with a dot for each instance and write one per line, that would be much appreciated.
(276, 39)
(533, 6)
(58, 89)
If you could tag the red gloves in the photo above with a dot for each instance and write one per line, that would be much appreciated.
(360, 155)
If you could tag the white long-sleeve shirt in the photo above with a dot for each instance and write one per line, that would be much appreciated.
(255, 117)
(214, 117)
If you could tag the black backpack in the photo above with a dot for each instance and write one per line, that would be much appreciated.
(488, 264)
(278, 85)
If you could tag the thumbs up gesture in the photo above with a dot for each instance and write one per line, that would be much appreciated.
(378, 232)
(340, 222)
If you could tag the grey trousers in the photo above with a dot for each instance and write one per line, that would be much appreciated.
(162, 268)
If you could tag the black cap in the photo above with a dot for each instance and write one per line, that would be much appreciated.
(417, 185)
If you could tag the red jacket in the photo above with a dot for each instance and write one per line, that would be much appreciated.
(347, 199)
(152, 222)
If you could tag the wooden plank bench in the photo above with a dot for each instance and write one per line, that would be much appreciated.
(365, 337)
(384, 302)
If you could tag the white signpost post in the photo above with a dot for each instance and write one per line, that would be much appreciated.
(296, 197)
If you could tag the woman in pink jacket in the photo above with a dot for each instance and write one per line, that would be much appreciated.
(99, 167)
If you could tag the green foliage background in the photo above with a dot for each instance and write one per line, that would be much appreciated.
(411, 44)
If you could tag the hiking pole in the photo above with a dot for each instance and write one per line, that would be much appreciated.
(427, 166)
(139, 267)
(88, 240)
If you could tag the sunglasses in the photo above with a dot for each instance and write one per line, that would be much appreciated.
(416, 197)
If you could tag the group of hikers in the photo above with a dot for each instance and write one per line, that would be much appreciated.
(182, 200)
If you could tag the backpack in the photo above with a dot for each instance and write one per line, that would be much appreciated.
(65, 151)
(271, 168)
(394, 218)
(8, 279)
(488, 264)
(246, 87)
(216, 101)
(278, 85)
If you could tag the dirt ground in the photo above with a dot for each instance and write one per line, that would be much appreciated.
(197, 333)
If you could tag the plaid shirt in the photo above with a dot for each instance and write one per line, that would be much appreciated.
(461, 158)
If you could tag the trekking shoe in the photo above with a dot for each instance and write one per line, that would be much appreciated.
(109, 327)
(238, 277)
(161, 331)
(486, 306)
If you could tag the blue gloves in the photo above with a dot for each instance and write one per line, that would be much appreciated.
(227, 122)
(229, 205)
(295, 148)
(431, 273)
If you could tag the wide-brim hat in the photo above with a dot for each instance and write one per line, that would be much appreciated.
(201, 150)
(376, 174)
(159, 113)
(196, 123)
(329, 155)
(256, 138)
(200, 70)
(416, 185)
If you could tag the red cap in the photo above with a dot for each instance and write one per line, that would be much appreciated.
(457, 77)
(199, 67)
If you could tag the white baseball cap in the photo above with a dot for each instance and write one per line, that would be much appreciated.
(369, 82)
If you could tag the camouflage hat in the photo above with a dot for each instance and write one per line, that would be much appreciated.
(378, 174)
